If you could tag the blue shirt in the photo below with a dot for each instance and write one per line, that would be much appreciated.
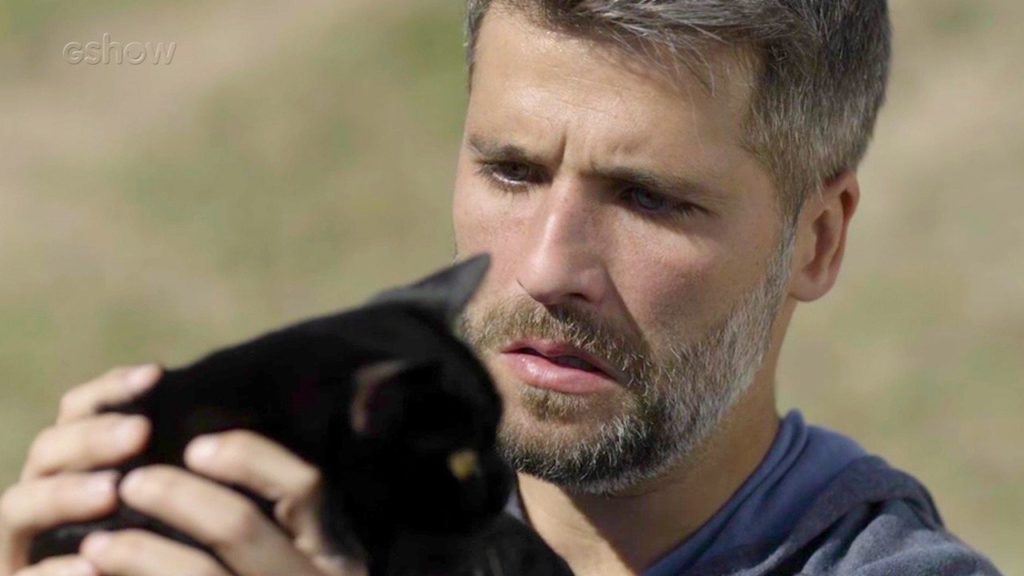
(801, 462)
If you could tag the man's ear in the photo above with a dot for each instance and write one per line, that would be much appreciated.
(821, 237)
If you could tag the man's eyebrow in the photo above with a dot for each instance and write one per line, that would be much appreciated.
(492, 149)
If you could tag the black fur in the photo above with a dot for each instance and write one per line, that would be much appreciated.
(378, 398)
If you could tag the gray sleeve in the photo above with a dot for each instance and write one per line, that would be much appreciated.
(894, 539)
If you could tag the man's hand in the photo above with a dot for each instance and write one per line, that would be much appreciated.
(56, 488)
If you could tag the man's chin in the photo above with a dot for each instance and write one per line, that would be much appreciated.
(581, 411)
(585, 455)
(555, 422)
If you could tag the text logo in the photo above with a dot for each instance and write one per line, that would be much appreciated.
(107, 51)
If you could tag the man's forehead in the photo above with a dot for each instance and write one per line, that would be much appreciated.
(721, 68)
(531, 96)
(542, 72)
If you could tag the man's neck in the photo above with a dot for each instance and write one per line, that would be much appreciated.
(628, 532)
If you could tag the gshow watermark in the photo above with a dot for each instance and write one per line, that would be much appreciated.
(107, 51)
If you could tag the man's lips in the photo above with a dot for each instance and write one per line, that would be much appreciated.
(558, 366)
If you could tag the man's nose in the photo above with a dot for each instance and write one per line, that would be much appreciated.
(561, 258)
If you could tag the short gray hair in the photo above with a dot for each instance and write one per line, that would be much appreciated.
(819, 80)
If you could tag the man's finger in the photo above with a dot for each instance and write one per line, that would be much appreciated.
(247, 459)
(217, 516)
(29, 508)
(42, 504)
(115, 386)
(85, 444)
(141, 553)
(60, 566)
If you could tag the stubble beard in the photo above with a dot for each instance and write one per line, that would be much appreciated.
(674, 398)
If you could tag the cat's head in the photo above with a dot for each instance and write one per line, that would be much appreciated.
(433, 436)
(425, 412)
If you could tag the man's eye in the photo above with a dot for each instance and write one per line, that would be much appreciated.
(654, 204)
(647, 201)
(508, 175)
(514, 171)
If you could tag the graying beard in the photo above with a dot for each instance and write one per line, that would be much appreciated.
(669, 424)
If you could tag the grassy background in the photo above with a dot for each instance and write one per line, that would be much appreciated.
(296, 157)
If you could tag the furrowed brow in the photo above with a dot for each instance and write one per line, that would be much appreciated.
(494, 150)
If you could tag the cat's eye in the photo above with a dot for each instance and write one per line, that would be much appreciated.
(464, 464)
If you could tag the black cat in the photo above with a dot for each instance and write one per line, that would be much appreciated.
(396, 412)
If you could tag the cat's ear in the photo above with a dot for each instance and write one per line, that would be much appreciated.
(446, 292)
(368, 380)
(382, 393)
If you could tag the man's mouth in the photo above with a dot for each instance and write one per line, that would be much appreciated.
(558, 366)
(564, 360)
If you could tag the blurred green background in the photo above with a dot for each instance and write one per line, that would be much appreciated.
(297, 156)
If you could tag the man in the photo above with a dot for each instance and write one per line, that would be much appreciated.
(659, 184)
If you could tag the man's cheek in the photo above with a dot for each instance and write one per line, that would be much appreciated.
(681, 297)
(500, 283)
(478, 217)
(478, 226)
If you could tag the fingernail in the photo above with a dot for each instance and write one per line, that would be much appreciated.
(202, 449)
(95, 543)
(101, 484)
(143, 377)
(127, 432)
(79, 567)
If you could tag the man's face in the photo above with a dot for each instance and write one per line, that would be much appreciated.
(635, 264)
